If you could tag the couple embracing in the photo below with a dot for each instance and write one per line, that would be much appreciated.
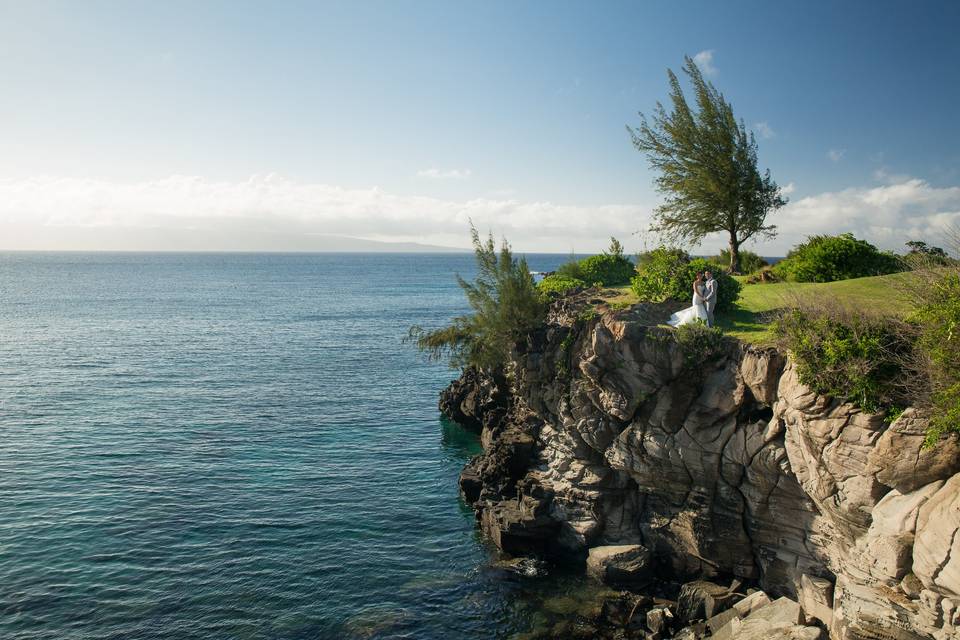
(704, 302)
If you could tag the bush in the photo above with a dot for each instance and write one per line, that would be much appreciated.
(668, 274)
(830, 258)
(558, 283)
(570, 270)
(749, 261)
(505, 302)
(699, 343)
(938, 317)
(608, 269)
(855, 357)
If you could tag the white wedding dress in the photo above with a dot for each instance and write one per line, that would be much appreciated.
(697, 311)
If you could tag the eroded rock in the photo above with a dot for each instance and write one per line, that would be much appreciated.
(614, 435)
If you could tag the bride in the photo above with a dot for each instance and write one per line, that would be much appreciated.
(697, 311)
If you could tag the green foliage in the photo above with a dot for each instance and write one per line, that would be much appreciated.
(505, 302)
(559, 284)
(608, 269)
(924, 256)
(749, 261)
(922, 248)
(830, 258)
(668, 274)
(570, 270)
(699, 343)
(563, 364)
(939, 320)
(858, 358)
(707, 168)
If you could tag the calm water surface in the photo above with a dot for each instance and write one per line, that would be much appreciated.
(237, 446)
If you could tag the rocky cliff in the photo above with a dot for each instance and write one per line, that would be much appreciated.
(721, 463)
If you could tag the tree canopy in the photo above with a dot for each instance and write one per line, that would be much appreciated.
(707, 168)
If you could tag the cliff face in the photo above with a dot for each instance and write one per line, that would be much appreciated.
(722, 464)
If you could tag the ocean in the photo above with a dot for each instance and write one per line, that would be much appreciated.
(239, 446)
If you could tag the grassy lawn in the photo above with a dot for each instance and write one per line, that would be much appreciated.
(750, 320)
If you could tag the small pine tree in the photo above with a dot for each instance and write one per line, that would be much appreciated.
(505, 302)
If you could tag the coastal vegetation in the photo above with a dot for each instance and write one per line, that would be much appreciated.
(750, 262)
(667, 273)
(855, 355)
(825, 258)
(558, 283)
(608, 269)
(706, 163)
(505, 302)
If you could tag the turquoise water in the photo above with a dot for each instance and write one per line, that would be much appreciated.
(236, 446)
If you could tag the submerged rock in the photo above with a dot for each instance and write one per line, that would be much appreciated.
(526, 567)
(622, 565)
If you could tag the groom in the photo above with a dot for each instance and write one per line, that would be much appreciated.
(710, 296)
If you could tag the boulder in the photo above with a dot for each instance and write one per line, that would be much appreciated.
(908, 472)
(659, 619)
(621, 565)
(726, 465)
(702, 600)
(725, 625)
(816, 599)
(936, 550)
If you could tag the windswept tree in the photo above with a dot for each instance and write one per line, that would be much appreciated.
(707, 166)
(505, 304)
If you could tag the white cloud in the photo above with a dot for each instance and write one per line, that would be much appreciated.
(765, 130)
(884, 176)
(704, 60)
(886, 215)
(788, 188)
(33, 211)
(835, 155)
(192, 213)
(444, 174)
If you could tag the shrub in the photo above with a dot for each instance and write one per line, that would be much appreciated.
(558, 283)
(856, 357)
(750, 262)
(924, 256)
(938, 316)
(506, 304)
(570, 270)
(699, 343)
(668, 274)
(830, 258)
(608, 269)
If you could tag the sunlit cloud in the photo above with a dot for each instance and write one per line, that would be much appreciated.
(275, 204)
(444, 174)
(765, 130)
(704, 60)
(835, 155)
(48, 213)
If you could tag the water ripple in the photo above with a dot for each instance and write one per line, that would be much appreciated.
(233, 446)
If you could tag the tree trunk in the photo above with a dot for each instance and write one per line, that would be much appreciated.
(734, 255)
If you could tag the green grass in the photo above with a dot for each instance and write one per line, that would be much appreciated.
(758, 303)
(750, 321)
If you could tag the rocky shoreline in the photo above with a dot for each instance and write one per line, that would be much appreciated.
(709, 472)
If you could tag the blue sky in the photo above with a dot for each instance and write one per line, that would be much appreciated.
(400, 120)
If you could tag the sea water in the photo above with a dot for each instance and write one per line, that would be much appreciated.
(238, 446)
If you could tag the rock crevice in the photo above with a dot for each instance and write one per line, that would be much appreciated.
(609, 433)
